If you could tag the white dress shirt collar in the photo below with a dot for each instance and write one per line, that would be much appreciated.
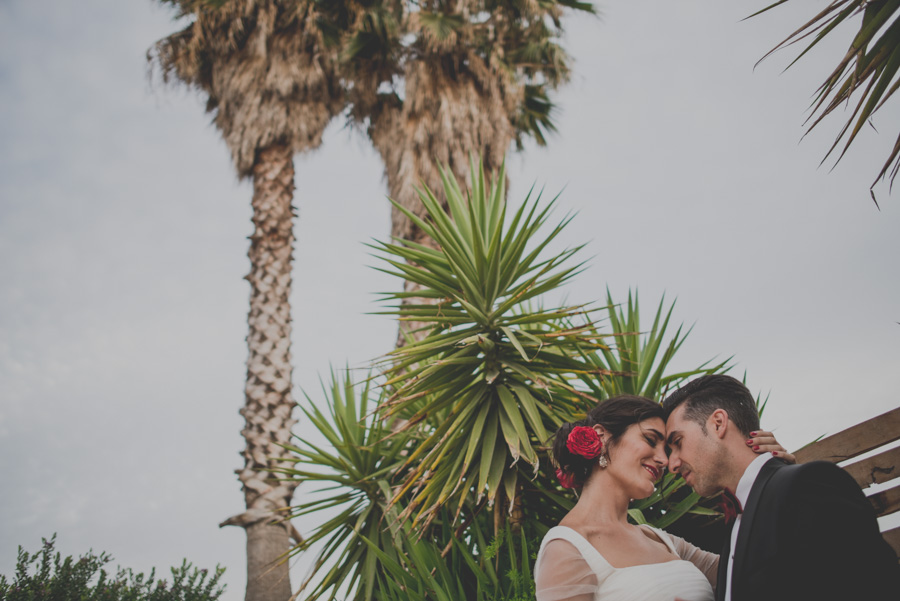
(746, 482)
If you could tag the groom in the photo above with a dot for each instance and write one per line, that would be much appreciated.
(800, 531)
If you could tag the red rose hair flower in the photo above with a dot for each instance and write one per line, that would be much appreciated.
(566, 479)
(584, 441)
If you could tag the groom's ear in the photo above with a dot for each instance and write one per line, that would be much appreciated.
(717, 423)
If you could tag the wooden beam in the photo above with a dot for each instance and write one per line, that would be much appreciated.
(887, 501)
(876, 469)
(855, 440)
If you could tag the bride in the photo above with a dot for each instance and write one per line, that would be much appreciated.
(616, 454)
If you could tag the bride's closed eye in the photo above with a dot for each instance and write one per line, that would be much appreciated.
(654, 440)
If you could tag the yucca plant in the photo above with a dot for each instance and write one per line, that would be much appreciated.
(489, 382)
(639, 361)
(354, 481)
(364, 551)
(451, 565)
(869, 67)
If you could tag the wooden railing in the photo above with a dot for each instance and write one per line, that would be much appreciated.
(882, 467)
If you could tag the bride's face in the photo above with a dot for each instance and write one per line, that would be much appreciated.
(638, 458)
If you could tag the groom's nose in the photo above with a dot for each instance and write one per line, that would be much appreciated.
(674, 462)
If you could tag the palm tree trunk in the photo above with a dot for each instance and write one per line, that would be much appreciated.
(447, 115)
(269, 402)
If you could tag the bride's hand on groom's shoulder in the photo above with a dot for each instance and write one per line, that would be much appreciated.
(762, 441)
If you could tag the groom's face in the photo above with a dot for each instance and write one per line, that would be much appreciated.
(693, 453)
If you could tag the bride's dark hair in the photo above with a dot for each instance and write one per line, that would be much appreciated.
(615, 414)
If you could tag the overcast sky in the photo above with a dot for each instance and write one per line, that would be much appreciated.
(123, 237)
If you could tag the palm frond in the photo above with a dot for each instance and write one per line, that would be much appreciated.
(868, 70)
(536, 116)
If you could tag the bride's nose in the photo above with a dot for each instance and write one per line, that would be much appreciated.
(660, 458)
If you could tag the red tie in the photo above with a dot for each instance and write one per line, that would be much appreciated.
(730, 506)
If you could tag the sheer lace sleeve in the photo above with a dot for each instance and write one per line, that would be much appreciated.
(706, 562)
(562, 574)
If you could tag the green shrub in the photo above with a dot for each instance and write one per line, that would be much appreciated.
(46, 576)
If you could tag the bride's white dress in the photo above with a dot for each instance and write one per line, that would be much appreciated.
(569, 568)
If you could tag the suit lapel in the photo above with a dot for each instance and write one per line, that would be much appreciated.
(747, 517)
(723, 565)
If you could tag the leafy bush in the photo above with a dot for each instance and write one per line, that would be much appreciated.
(45, 575)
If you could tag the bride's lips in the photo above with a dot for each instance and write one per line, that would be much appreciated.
(653, 471)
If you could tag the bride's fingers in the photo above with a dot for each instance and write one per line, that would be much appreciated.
(763, 441)
(762, 438)
(788, 457)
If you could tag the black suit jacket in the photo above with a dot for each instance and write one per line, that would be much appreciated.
(808, 532)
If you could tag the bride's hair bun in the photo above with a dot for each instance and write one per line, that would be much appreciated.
(578, 466)
(615, 415)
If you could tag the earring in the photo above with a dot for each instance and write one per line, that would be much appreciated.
(603, 461)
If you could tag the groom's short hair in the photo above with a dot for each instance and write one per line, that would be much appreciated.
(704, 395)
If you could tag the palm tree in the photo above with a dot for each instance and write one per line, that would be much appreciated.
(436, 81)
(869, 67)
(272, 90)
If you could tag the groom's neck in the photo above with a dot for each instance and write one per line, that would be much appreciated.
(740, 457)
